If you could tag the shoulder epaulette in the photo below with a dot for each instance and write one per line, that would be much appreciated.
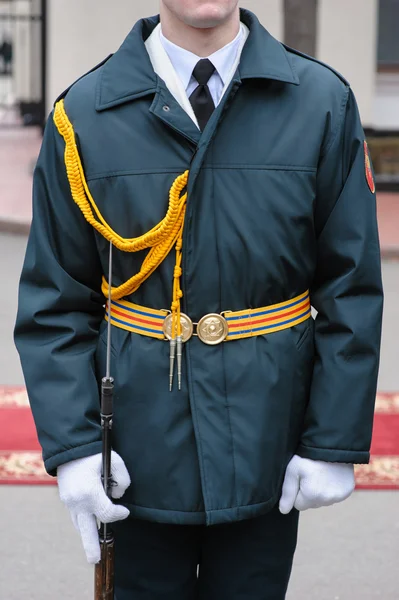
(64, 93)
(312, 58)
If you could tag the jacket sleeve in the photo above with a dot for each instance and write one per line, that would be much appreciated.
(347, 295)
(59, 315)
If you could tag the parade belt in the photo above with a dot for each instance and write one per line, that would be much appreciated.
(213, 328)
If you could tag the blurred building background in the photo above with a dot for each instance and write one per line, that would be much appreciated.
(22, 59)
(46, 44)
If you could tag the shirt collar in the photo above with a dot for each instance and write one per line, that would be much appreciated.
(129, 75)
(184, 61)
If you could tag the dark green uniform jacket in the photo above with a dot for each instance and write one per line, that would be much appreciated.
(278, 203)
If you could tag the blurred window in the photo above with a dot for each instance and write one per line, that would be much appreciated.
(388, 38)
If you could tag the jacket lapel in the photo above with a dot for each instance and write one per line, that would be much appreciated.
(164, 69)
(129, 74)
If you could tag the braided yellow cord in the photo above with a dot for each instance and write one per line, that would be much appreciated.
(160, 239)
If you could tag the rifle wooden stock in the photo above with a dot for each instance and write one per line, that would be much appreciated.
(104, 571)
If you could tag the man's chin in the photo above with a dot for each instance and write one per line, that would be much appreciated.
(205, 21)
(204, 24)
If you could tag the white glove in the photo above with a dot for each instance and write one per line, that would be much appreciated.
(81, 489)
(315, 483)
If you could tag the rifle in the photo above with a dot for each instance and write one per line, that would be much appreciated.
(104, 570)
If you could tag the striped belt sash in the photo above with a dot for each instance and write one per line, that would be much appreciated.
(213, 328)
(261, 321)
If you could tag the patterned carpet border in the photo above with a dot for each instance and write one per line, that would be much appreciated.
(26, 467)
(13, 397)
(23, 468)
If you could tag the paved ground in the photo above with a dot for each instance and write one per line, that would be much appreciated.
(347, 552)
(18, 152)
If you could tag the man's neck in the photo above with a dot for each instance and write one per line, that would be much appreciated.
(202, 42)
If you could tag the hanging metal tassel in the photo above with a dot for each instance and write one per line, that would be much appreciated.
(172, 346)
(179, 344)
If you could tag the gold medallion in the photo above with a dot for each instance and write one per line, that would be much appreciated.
(212, 329)
(186, 327)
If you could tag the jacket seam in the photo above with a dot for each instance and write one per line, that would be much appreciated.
(151, 171)
(189, 512)
(133, 172)
(323, 156)
(63, 451)
(199, 511)
(334, 449)
(201, 452)
(262, 167)
(103, 340)
(340, 122)
(303, 337)
(233, 451)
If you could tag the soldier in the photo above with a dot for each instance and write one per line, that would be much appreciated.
(232, 177)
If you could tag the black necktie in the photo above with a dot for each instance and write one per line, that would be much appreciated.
(201, 99)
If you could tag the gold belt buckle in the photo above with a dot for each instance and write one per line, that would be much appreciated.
(212, 329)
(187, 327)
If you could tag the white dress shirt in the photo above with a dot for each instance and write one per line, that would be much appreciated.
(175, 66)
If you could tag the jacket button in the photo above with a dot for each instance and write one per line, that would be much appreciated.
(166, 108)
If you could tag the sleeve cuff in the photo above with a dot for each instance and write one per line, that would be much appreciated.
(337, 456)
(55, 461)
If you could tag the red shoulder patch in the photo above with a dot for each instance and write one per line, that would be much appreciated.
(369, 172)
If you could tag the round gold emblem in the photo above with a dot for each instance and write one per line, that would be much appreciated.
(212, 329)
(186, 326)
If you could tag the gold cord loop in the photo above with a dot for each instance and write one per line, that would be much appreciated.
(160, 239)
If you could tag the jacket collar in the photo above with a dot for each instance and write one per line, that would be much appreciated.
(128, 74)
(263, 57)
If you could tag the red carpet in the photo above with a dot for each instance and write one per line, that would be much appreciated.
(20, 454)
(383, 471)
(21, 462)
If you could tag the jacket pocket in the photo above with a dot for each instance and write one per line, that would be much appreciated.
(302, 378)
(103, 338)
(101, 352)
(305, 333)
